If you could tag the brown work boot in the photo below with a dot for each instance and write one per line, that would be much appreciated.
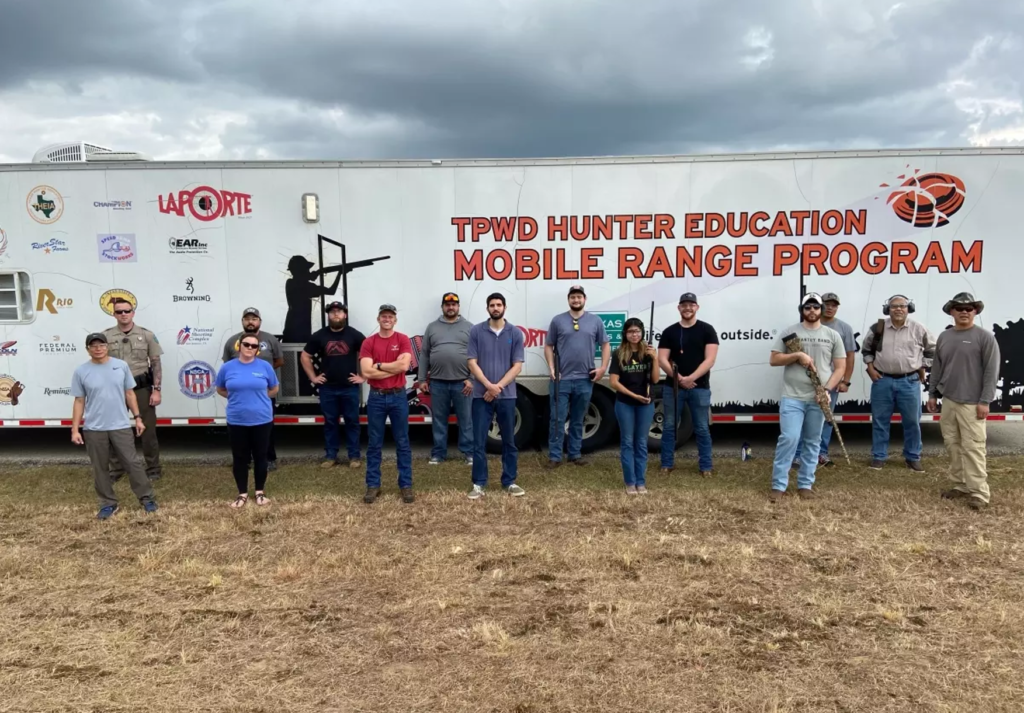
(776, 495)
(915, 465)
(371, 495)
(552, 464)
(407, 496)
(976, 503)
(579, 461)
(667, 470)
(355, 463)
(806, 494)
(953, 494)
(328, 463)
(705, 474)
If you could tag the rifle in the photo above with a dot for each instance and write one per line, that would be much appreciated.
(558, 381)
(821, 396)
(651, 342)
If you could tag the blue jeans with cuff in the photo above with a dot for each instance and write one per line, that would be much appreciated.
(634, 428)
(341, 401)
(826, 429)
(800, 427)
(395, 407)
(902, 394)
(444, 394)
(483, 413)
(573, 400)
(699, 401)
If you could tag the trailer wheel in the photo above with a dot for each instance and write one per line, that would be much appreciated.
(684, 430)
(599, 422)
(526, 421)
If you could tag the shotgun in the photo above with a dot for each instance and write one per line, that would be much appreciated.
(793, 345)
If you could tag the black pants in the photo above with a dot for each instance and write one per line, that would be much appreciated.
(249, 445)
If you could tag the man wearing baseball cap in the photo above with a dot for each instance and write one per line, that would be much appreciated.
(829, 309)
(337, 347)
(964, 375)
(688, 348)
(270, 351)
(444, 374)
(104, 392)
(384, 360)
(571, 341)
(800, 416)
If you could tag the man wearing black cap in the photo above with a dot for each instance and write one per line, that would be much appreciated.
(270, 351)
(964, 374)
(337, 347)
(571, 344)
(692, 346)
(444, 374)
(104, 392)
(800, 417)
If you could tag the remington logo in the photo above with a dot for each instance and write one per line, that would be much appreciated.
(65, 391)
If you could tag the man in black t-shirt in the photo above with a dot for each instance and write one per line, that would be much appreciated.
(337, 345)
(692, 346)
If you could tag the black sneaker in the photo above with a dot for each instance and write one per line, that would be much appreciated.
(407, 496)
(953, 494)
(271, 465)
(915, 465)
(877, 464)
(371, 495)
(825, 461)
(552, 464)
(976, 503)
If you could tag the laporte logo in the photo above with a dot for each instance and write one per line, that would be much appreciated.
(45, 205)
(206, 203)
(117, 248)
(927, 201)
(51, 303)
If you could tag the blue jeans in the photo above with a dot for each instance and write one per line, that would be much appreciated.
(378, 408)
(443, 394)
(338, 401)
(826, 430)
(800, 425)
(903, 395)
(634, 428)
(483, 413)
(699, 401)
(574, 398)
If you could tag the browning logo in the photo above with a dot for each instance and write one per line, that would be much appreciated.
(927, 201)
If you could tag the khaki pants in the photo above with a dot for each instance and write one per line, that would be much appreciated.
(964, 435)
(150, 445)
(101, 447)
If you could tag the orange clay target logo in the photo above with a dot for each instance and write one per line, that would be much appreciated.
(928, 200)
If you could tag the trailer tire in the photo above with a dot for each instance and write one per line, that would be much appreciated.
(684, 429)
(526, 422)
(599, 422)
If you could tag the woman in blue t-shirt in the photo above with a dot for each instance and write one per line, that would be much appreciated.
(248, 384)
(634, 369)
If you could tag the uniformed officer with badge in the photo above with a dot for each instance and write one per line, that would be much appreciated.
(270, 351)
(140, 349)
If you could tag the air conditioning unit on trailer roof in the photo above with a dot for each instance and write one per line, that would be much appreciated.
(83, 152)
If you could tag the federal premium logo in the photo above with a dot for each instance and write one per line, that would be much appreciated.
(48, 301)
(187, 246)
(206, 203)
(10, 389)
(107, 299)
(63, 391)
(191, 296)
(7, 349)
(196, 380)
(53, 245)
(117, 248)
(113, 205)
(56, 346)
(195, 335)
(44, 204)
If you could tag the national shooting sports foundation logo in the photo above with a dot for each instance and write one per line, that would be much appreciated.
(196, 380)
(928, 200)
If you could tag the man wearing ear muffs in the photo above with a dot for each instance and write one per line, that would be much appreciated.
(897, 350)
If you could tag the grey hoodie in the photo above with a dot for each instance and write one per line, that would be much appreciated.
(443, 355)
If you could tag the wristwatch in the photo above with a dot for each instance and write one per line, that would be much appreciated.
(158, 388)
(377, 366)
(846, 382)
(136, 415)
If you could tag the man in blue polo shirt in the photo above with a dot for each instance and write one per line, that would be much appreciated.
(572, 338)
(496, 355)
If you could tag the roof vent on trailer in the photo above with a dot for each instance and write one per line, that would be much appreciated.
(82, 152)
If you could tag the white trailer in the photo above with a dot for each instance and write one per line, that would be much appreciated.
(194, 243)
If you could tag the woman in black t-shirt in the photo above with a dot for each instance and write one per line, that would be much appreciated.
(634, 369)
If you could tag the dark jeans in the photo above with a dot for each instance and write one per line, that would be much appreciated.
(483, 413)
(634, 428)
(338, 401)
(573, 400)
(443, 395)
(249, 444)
(395, 407)
(699, 401)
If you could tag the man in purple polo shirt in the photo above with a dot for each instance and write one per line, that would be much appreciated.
(496, 355)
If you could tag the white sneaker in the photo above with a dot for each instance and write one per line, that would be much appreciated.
(434, 461)
(469, 460)
(476, 493)
(515, 491)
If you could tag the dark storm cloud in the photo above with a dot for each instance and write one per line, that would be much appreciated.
(526, 78)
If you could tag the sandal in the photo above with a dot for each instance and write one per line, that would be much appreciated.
(241, 500)
(262, 499)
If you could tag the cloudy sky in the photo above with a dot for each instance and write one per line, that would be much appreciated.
(462, 78)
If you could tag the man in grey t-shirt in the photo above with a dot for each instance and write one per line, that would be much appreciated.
(829, 309)
(444, 374)
(104, 392)
(800, 416)
(570, 347)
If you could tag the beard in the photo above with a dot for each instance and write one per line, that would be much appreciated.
(337, 323)
(251, 328)
(496, 314)
(812, 316)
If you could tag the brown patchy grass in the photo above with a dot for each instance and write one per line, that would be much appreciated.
(702, 596)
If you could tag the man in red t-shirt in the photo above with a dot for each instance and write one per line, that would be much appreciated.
(384, 359)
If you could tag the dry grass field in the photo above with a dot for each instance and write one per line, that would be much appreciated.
(702, 596)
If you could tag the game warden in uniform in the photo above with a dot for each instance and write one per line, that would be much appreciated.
(139, 348)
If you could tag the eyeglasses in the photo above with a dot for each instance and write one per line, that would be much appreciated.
(633, 332)
(122, 311)
(963, 308)
(576, 324)
(897, 307)
(250, 345)
(807, 307)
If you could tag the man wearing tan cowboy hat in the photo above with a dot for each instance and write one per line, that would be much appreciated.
(964, 375)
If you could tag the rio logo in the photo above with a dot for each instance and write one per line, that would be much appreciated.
(205, 203)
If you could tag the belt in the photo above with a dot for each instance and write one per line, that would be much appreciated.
(142, 380)
(387, 392)
(899, 376)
